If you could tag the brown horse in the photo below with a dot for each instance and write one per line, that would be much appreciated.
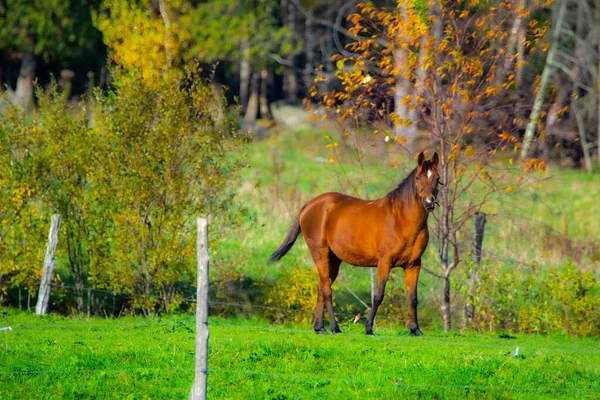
(385, 233)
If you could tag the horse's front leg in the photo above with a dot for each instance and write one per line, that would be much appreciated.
(383, 272)
(411, 279)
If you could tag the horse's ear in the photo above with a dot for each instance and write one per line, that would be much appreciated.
(421, 159)
(435, 159)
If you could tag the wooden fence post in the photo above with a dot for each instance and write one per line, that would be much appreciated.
(479, 230)
(474, 273)
(44, 293)
(199, 387)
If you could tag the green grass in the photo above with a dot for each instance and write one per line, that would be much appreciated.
(60, 358)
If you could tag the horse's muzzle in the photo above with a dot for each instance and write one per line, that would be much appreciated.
(429, 203)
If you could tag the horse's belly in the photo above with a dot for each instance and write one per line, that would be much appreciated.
(354, 248)
(353, 257)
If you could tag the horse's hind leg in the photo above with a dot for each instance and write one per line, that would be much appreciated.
(318, 324)
(334, 268)
(328, 266)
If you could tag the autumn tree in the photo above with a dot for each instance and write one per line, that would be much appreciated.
(164, 163)
(450, 53)
(144, 36)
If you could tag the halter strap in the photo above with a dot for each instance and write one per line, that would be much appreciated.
(426, 187)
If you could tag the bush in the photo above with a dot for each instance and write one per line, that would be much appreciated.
(294, 297)
(563, 300)
(129, 185)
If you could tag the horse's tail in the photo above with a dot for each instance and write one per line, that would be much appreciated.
(289, 240)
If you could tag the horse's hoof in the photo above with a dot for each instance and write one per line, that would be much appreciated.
(369, 333)
(336, 330)
(416, 332)
(321, 331)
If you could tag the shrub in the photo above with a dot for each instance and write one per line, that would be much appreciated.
(294, 297)
(561, 300)
(129, 185)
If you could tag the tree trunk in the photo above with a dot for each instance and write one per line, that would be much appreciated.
(66, 82)
(290, 80)
(415, 112)
(79, 288)
(310, 56)
(444, 236)
(245, 75)
(446, 315)
(539, 97)
(561, 99)
(404, 88)
(520, 57)
(165, 17)
(252, 106)
(24, 92)
(512, 45)
(218, 106)
(577, 111)
(265, 110)
(582, 138)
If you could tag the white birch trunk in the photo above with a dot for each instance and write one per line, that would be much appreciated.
(539, 97)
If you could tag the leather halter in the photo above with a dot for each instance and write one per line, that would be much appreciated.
(432, 187)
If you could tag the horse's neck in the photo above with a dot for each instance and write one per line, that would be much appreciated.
(412, 209)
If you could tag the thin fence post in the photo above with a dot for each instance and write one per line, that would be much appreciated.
(199, 387)
(474, 273)
(44, 293)
(479, 230)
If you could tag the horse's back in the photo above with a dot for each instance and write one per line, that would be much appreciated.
(315, 215)
(351, 227)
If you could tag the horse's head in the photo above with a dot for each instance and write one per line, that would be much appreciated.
(427, 179)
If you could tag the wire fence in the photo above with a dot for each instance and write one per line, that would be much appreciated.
(285, 330)
(214, 303)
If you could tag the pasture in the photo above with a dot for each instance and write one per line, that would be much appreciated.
(135, 358)
(250, 357)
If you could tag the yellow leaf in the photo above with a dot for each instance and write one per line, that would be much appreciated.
(509, 189)
(331, 159)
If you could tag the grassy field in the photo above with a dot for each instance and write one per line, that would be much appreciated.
(134, 358)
